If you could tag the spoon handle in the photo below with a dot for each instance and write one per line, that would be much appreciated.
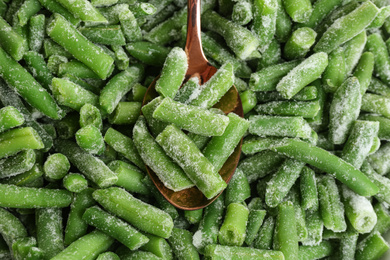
(197, 61)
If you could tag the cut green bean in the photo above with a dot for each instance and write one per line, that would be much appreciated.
(114, 227)
(55, 7)
(324, 249)
(264, 21)
(378, 87)
(56, 166)
(353, 49)
(315, 226)
(154, 156)
(129, 25)
(147, 52)
(245, 253)
(329, 163)
(181, 243)
(36, 32)
(123, 145)
(11, 228)
(238, 189)
(10, 117)
(383, 222)
(25, 178)
(108, 35)
(90, 139)
(108, 256)
(304, 109)
(13, 43)
(320, 10)
(308, 188)
(344, 109)
(38, 68)
(74, 182)
(355, 21)
(23, 197)
(49, 231)
(382, 182)
(384, 125)
(90, 115)
(19, 139)
(75, 68)
(92, 167)
(302, 75)
(372, 247)
(376, 104)
(298, 45)
(265, 235)
(334, 74)
(184, 152)
(377, 46)
(183, 116)
(242, 13)
(118, 86)
(82, 49)
(125, 206)
(232, 231)
(121, 58)
(138, 92)
(255, 220)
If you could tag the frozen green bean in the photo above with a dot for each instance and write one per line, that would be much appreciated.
(232, 231)
(90, 139)
(74, 182)
(10, 117)
(264, 21)
(56, 166)
(372, 247)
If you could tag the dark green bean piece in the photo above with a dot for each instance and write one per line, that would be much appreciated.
(238, 189)
(90, 139)
(383, 222)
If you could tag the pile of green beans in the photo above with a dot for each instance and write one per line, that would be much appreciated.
(313, 180)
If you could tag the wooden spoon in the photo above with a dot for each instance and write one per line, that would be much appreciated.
(198, 66)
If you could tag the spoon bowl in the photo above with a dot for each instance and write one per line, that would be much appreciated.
(198, 66)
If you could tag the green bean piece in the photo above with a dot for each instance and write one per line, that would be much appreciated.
(90, 139)
(84, 50)
(129, 177)
(184, 152)
(320, 10)
(271, 56)
(248, 100)
(26, 248)
(115, 228)
(254, 145)
(242, 46)
(378, 87)
(283, 24)
(49, 231)
(302, 75)
(334, 74)
(108, 256)
(121, 58)
(193, 216)
(376, 104)
(300, 215)
(75, 226)
(159, 17)
(109, 35)
(181, 244)
(87, 247)
(285, 237)
(221, 147)
(158, 246)
(382, 182)
(264, 21)
(359, 142)
(331, 208)
(188, 91)
(298, 45)
(324, 249)
(10, 117)
(215, 88)
(25, 178)
(130, 27)
(364, 70)
(359, 211)
(147, 52)
(353, 49)
(304, 109)
(377, 46)
(74, 182)
(19, 139)
(138, 92)
(242, 13)
(267, 79)
(384, 125)
(329, 163)
(143, 9)
(348, 241)
(183, 116)
(17, 77)
(279, 126)
(208, 228)
(308, 188)
(173, 73)
(24, 197)
(337, 34)
(118, 86)
(38, 68)
(13, 43)
(11, 228)
(372, 247)
(125, 206)
(90, 115)
(36, 32)
(56, 166)
(99, 3)
(75, 68)
(344, 109)
(299, 11)
(380, 19)
(232, 231)
(265, 235)
(255, 220)
(26, 11)
(55, 7)
(260, 165)
(56, 61)
(383, 222)
(315, 226)
(245, 253)
(238, 189)
(92, 167)
(124, 145)
(154, 156)
(285, 176)
(84, 10)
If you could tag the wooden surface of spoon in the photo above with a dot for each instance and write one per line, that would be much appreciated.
(198, 66)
